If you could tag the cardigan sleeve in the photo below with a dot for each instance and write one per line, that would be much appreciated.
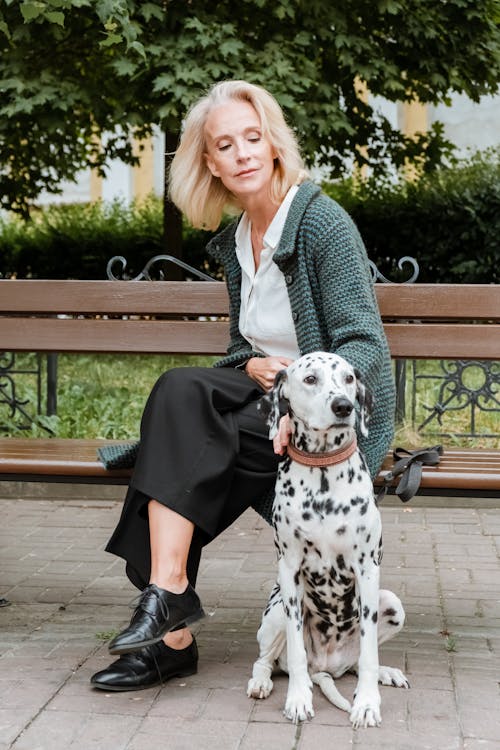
(347, 298)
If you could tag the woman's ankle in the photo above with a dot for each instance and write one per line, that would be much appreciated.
(176, 584)
(178, 639)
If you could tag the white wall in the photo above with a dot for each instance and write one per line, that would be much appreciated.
(470, 125)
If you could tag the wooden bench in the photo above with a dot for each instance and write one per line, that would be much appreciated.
(422, 321)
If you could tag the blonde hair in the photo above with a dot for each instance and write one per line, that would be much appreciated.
(195, 191)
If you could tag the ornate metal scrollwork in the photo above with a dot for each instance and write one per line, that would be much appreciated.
(468, 386)
(406, 259)
(9, 391)
(145, 274)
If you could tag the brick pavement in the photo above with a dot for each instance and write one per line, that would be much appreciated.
(67, 594)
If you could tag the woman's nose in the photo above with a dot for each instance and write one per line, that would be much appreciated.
(241, 150)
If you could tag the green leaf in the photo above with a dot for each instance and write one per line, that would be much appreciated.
(138, 47)
(31, 10)
(55, 16)
(111, 39)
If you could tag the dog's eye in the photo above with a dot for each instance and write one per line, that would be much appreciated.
(310, 379)
(349, 378)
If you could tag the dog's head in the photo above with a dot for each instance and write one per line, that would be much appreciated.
(321, 390)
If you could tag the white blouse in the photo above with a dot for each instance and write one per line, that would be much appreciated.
(265, 314)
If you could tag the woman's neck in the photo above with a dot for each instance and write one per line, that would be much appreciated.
(260, 214)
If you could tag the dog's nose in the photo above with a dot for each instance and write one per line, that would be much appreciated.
(341, 407)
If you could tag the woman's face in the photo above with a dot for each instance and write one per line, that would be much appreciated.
(237, 151)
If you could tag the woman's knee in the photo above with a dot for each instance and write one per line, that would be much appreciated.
(177, 381)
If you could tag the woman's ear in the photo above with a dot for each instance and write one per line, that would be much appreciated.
(211, 165)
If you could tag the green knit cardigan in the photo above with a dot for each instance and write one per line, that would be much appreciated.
(324, 262)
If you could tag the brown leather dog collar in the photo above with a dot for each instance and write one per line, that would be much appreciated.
(329, 458)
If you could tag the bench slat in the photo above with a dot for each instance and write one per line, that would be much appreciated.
(113, 297)
(437, 341)
(60, 457)
(114, 336)
(55, 456)
(439, 301)
(419, 341)
(396, 301)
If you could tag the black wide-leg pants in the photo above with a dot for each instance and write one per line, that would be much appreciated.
(204, 452)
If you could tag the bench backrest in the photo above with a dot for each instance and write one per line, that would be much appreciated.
(191, 318)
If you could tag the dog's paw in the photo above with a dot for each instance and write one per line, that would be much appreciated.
(392, 676)
(365, 712)
(259, 688)
(298, 705)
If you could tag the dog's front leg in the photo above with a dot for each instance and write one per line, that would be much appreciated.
(298, 705)
(366, 707)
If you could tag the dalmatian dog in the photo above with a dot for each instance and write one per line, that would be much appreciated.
(326, 614)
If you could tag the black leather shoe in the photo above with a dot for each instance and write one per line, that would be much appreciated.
(148, 667)
(157, 612)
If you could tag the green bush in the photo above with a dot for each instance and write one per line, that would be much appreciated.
(449, 221)
(76, 241)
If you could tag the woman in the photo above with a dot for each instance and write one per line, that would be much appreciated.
(298, 281)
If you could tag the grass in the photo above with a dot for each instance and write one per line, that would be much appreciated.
(98, 396)
(103, 396)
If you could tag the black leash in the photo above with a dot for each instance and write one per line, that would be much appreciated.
(408, 466)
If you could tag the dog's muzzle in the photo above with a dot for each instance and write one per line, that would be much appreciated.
(341, 407)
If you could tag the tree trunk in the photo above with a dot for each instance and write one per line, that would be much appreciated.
(172, 217)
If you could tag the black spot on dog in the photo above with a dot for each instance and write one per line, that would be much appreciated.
(324, 484)
(341, 530)
(375, 617)
(390, 612)
(323, 626)
(366, 611)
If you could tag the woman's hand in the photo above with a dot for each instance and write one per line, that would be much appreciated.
(264, 369)
(282, 437)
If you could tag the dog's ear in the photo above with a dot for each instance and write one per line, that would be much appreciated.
(269, 405)
(365, 401)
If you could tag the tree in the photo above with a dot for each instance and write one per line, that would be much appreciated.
(73, 70)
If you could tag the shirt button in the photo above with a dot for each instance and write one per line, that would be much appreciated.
(295, 315)
(289, 278)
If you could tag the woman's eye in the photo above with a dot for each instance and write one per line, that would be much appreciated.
(349, 378)
(310, 379)
(224, 146)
